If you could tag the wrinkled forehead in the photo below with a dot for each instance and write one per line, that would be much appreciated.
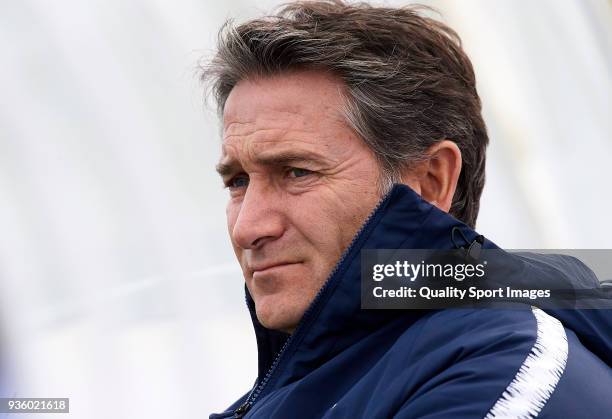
(301, 109)
(304, 97)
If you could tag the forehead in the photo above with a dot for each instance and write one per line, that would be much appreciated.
(299, 106)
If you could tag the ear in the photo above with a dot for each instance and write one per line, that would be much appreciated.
(435, 179)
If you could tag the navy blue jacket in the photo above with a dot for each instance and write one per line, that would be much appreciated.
(345, 362)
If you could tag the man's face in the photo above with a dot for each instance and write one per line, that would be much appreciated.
(301, 184)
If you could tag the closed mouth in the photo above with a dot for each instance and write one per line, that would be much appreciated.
(263, 268)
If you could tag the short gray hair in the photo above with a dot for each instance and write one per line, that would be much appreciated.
(409, 84)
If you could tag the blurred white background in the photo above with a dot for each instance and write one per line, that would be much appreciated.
(118, 286)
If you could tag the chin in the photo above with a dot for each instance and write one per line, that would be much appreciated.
(277, 316)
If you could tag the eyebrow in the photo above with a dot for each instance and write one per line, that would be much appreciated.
(284, 158)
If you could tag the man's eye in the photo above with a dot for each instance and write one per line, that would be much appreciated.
(297, 172)
(240, 181)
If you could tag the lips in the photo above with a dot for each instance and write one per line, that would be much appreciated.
(264, 267)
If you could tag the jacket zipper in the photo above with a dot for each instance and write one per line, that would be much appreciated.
(243, 409)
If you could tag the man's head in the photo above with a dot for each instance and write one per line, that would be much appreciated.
(324, 106)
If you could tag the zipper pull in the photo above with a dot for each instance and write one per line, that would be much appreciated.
(242, 410)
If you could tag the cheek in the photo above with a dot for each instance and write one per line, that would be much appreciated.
(319, 223)
(351, 212)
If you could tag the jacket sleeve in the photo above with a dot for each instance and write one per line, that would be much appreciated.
(509, 366)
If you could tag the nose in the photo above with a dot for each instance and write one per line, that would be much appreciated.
(259, 218)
